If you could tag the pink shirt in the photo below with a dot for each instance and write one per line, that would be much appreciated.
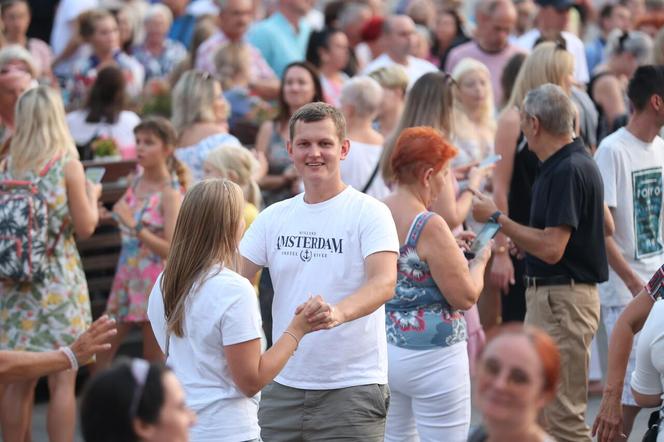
(42, 56)
(260, 70)
(494, 61)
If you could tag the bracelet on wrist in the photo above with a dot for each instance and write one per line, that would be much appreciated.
(469, 189)
(73, 362)
(499, 250)
(292, 335)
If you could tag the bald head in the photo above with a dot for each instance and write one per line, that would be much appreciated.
(495, 22)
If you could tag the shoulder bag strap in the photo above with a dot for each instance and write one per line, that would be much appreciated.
(168, 344)
(372, 177)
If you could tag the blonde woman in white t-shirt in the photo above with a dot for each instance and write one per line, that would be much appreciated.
(206, 318)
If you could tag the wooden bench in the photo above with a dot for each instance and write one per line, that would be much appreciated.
(101, 251)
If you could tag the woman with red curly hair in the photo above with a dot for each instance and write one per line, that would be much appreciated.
(517, 376)
(426, 331)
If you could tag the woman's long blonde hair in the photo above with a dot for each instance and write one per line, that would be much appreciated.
(430, 102)
(206, 234)
(41, 131)
(547, 63)
(239, 160)
(193, 100)
(486, 109)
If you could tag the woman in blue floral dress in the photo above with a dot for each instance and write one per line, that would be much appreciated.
(158, 54)
(426, 331)
(48, 313)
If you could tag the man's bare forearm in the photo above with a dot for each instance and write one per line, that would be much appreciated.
(24, 365)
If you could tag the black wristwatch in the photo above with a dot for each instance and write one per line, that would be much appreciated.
(494, 217)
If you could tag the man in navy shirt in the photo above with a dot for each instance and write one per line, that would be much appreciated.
(564, 245)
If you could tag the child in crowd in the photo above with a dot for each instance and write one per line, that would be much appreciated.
(233, 63)
(240, 166)
(146, 214)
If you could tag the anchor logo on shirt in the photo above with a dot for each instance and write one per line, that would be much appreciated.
(305, 255)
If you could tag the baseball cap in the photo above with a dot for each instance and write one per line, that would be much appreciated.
(559, 5)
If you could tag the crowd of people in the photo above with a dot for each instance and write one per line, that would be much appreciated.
(304, 243)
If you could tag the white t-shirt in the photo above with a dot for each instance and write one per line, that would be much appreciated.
(648, 376)
(221, 311)
(415, 68)
(320, 249)
(632, 175)
(122, 131)
(574, 46)
(360, 164)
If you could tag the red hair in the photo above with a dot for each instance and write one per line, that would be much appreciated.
(654, 19)
(543, 344)
(418, 149)
(372, 29)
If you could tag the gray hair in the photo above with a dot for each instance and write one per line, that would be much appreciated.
(552, 107)
(489, 7)
(364, 94)
(318, 111)
(635, 43)
(351, 12)
(390, 19)
(12, 53)
(158, 9)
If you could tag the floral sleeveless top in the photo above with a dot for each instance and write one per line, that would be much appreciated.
(138, 266)
(419, 317)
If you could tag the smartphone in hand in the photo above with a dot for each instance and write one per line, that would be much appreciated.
(95, 174)
(490, 160)
(482, 239)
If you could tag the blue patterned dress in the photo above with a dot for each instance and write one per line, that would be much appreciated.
(419, 317)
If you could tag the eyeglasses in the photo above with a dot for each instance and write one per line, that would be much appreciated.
(139, 370)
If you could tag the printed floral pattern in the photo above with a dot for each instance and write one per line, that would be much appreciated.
(44, 315)
(158, 66)
(85, 74)
(419, 316)
(138, 266)
(23, 221)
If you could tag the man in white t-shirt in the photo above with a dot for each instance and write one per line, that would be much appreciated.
(631, 161)
(337, 244)
(399, 32)
(552, 19)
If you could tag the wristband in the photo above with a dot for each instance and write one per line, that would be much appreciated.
(73, 362)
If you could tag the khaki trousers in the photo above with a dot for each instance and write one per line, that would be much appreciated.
(349, 414)
(570, 315)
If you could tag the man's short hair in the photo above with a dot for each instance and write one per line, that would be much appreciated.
(351, 12)
(648, 80)
(489, 7)
(552, 107)
(318, 111)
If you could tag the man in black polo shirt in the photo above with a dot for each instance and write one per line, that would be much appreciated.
(564, 245)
